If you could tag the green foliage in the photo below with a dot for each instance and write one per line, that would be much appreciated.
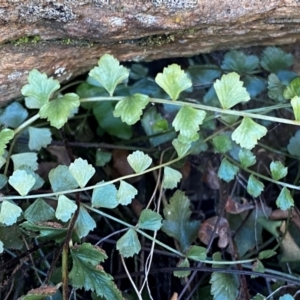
(142, 120)
(177, 223)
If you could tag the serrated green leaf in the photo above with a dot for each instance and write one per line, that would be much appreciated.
(102, 157)
(182, 264)
(188, 140)
(203, 74)
(139, 161)
(177, 222)
(129, 244)
(246, 158)
(105, 196)
(254, 85)
(224, 286)
(254, 186)
(171, 178)
(39, 90)
(266, 254)
(240, 62)
(278, 170)
(5, 136)
(39, 211)
(38, 138)
(25, 159)
(9, 213)
(81, 171)
(39, 182)
(294, 144)
(248, 133)
(181, 148)
(13, 115)
(296, 107)
(87, 272)
(21, 182)
(61, 179)
(60, 109)
(275, 88)
(126, 193)
(149, 220)
(227, 170)
(284, 200)
(3, 181)
(173, 81)
(131, 108)
(103, 112)
(258, 267)
(65, 208)
(222, 143)
(274, 60)
(84, 223)
(293, 89)
(40, 293)
(196, 253)
(188, 120)
(230, 90)
(109, 73)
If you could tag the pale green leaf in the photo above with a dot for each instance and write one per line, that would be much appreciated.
(61, 179)
(296, 107)
(13, 115)
(230, 90)
(9, 213)
(171, 178)
(224, 286)
(274, 60)
(149, 220)
(227, 170)
(182, 264)
(248, 133)
(84, 223)
(25, 159)
(294, 144)
(39, 211)
(188, 120)
(39, 90)
(105, 196)
(139, 161)
(222, 143)
(254, 186)
(275, 88)
(284, 200)
(126, 193)
(188, 140)
(60, 109)
(129, 244)
(293, 89)
(5, 136)
(173, 81)
(81, 171)
(102, 157)
(246, 158)
(109, 73)
(86, 272)
(278, 170)
(258, 267)
(266, 254)
(131, 108)
(65, 208)
(177, 223)
(196, 253)
(181, 148)
(38, 138)
(21, 181)
(39, 182)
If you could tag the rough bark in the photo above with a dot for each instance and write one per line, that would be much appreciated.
(65, 38)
